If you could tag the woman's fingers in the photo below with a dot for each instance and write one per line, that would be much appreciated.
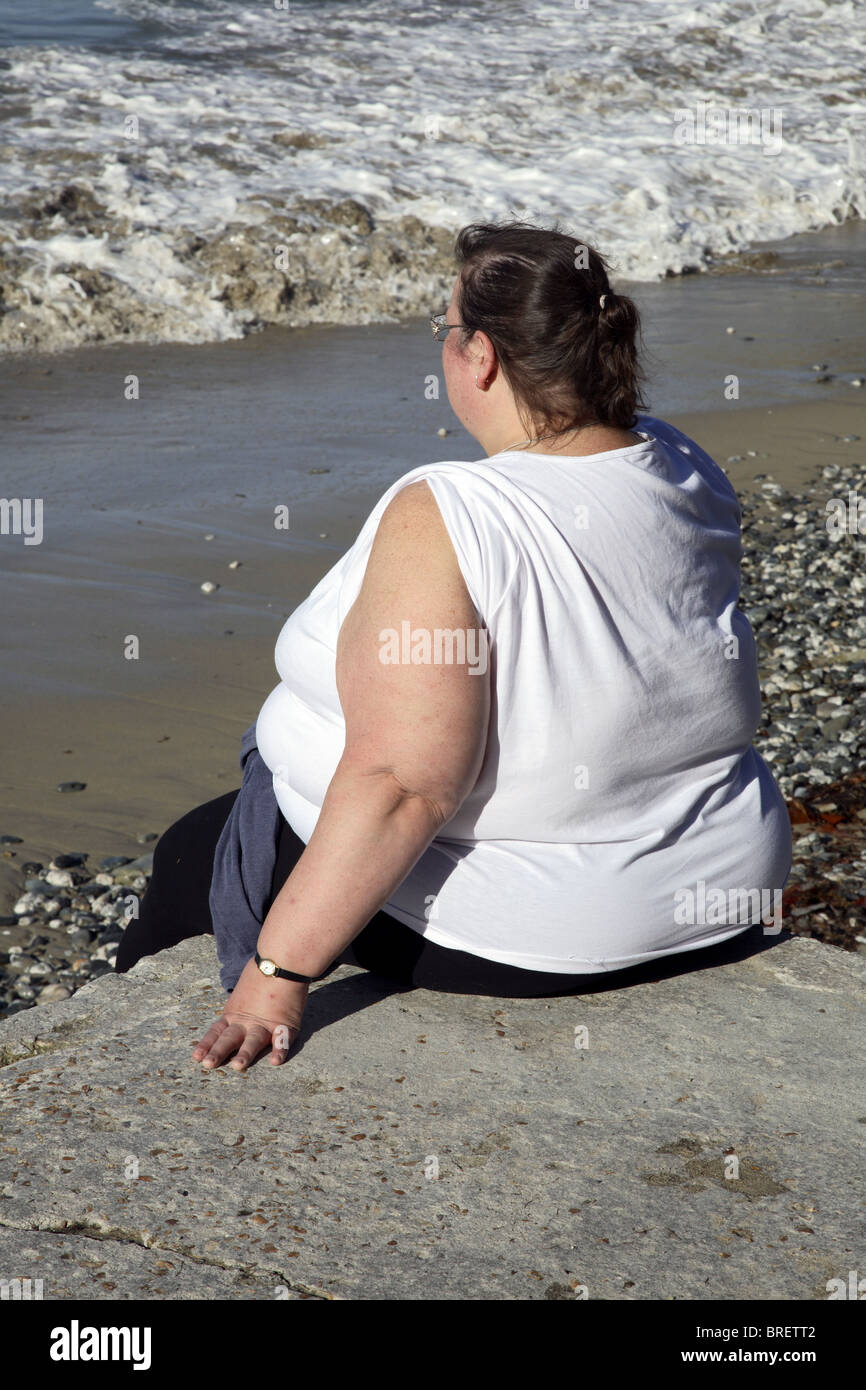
(256, 1038)
(228, 1040)
(247, 1039)
(282, 1040)
(203, 1048)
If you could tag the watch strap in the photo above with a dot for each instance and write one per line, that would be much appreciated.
(288, 974)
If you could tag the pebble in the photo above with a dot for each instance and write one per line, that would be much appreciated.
(60, 878)
(143, 864)
(51, 994)
(68, 861)
(234, 564)
(208, 587)
(71, 786)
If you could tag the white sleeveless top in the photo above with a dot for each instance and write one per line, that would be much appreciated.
(619, 774)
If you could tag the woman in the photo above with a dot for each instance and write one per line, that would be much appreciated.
(511, 744)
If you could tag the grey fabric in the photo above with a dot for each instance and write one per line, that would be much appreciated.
(244, 862)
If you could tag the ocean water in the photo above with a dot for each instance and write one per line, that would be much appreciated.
(189, 170)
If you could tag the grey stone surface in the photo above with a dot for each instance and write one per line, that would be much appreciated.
(72, 1267)
(127, 1171)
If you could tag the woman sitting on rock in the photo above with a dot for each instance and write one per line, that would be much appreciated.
(511, 747)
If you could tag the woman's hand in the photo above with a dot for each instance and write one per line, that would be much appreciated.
(260, 1011)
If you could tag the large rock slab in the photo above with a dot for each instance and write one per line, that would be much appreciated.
(697, 1136)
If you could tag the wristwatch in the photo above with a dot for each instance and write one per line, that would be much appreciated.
(269, 967)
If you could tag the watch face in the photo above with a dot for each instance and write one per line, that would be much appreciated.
(267, 967)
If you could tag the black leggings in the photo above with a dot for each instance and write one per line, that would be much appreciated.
(176, 906)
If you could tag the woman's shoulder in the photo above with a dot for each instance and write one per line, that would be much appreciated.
(423, 526)
(459, 487)
(665, 431)
(460, 471)
(671, 437)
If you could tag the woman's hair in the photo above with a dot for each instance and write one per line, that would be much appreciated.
(535, 293)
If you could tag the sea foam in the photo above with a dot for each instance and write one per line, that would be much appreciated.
(232, 166)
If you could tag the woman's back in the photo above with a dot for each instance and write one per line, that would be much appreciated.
(619, 772)
(626, 665)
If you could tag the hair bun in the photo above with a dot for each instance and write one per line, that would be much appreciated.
(564, 339)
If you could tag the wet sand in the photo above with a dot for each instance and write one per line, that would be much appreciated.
(220, 436)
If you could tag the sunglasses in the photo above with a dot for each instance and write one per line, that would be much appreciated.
(441, 328)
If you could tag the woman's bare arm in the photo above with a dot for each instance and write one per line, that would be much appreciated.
(415, 739)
